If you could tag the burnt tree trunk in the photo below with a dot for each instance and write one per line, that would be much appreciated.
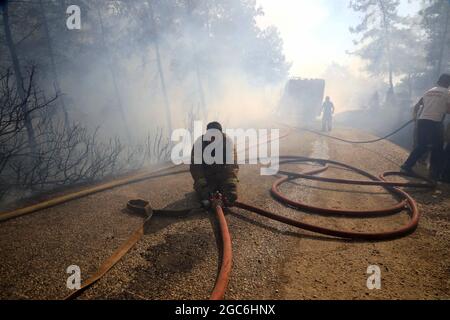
(386, 27)
(53, 64)
(197, 67)
(111, 65)
(151, 16)
(18, 77)
(444, 42)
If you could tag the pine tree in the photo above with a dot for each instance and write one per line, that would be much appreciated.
(436, 22)
(380, 33)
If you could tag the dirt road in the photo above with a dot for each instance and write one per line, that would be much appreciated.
(178, 257)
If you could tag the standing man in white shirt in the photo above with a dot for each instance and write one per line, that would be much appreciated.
(430, 113)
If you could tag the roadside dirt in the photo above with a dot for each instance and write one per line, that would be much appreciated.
(178, 257)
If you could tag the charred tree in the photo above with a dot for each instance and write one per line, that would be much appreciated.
(196, 65)
(111, 65)
(387, 39)
(51, 54)
(18, 75)
(444, 43)
(151, 16)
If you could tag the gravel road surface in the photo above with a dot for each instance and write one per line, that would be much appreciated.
(178, 257)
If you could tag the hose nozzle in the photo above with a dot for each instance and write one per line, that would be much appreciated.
(217, 199)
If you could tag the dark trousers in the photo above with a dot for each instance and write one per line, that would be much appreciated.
(446, 164)
(327, 122)
(429, 133)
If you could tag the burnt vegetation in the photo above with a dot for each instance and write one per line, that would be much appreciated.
(81, 105)
(61, 154)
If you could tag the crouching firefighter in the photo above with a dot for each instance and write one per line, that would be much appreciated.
(214, 166)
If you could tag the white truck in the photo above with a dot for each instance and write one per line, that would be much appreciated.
(302, 99)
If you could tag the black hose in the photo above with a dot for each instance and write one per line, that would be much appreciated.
(355, 142)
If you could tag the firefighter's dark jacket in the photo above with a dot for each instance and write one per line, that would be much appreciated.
(209, 178)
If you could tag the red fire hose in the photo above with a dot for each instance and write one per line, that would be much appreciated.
(223, 278)
(406, 203)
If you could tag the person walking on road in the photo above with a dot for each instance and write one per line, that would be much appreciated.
(327, 115)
